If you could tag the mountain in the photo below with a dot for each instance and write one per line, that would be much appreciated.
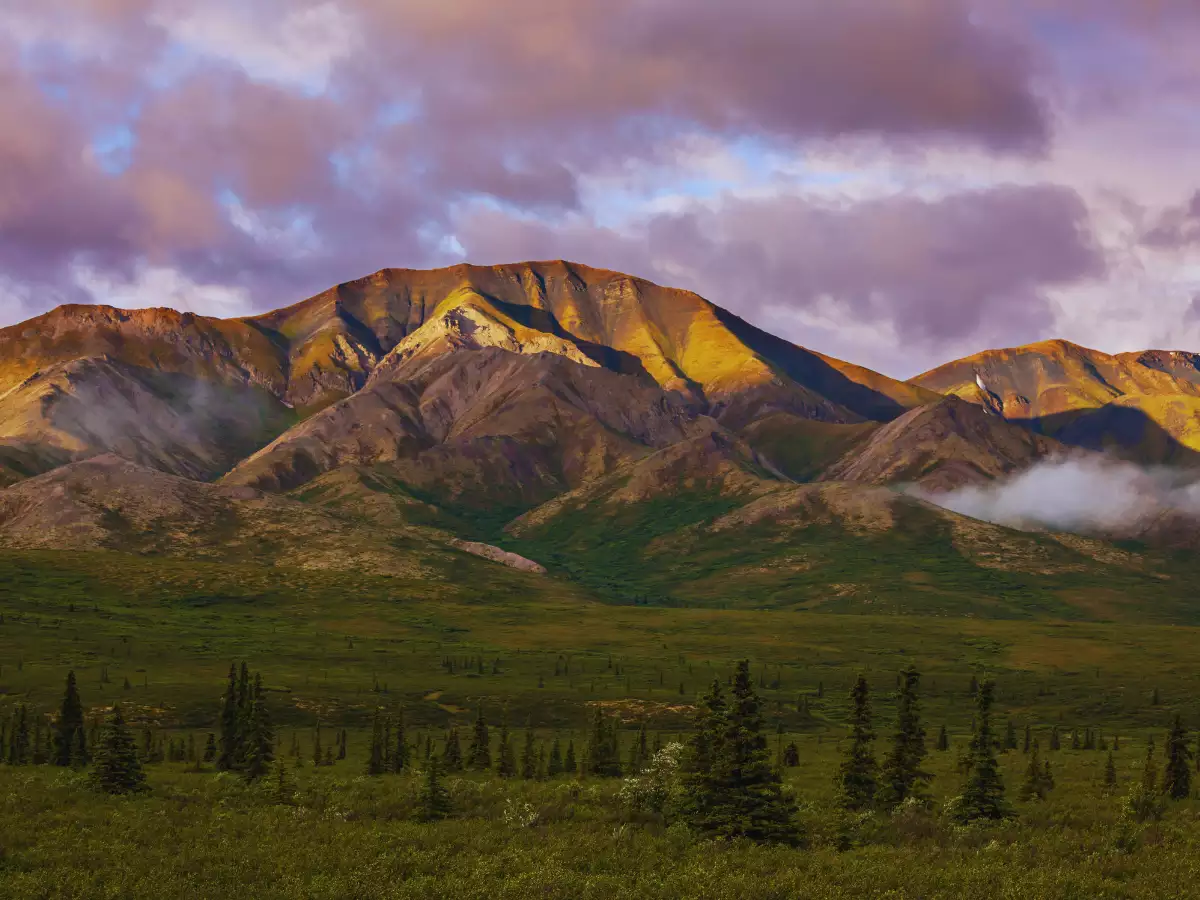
(568, 428)
(1141, 406)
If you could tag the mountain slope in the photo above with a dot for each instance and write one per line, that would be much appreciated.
(1144, 406)
(942, 446)
(108, 503)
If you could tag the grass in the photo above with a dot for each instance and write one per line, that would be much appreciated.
(334, 647)
(337, 834)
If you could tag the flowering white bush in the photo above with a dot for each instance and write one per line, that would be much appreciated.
(519, 813)
(658, 784)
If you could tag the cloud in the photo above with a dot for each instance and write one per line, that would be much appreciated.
(968, 267)
(1177, 227)
(1091, 495)
(891, 182)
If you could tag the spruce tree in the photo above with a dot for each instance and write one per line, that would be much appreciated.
(375, 756)
(506, 760)
(452, 758)
(603, 755)
(791, 755)
(229, 723)
(19, 750)
(943, 740)
(402, 753)
(902, 776)
(210, 748)
(555, 765)
(479, 755)
(1028, 736)
(69, 727)
(433, 802)
(731, 789)
(1055, 740)
(570, 767)
(117, 769)
(1177, 776)
(318, 752)
(1110, 772)
(1036, 784)
(1010, 736)
(856, 776)
(528, 756)
(258, 741)
(983, 796)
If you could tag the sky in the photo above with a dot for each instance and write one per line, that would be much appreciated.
(893, 182)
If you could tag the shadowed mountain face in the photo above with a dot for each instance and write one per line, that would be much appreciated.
(635, 439)
(1141, 406)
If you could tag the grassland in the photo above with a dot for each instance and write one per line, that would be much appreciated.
(335, 647)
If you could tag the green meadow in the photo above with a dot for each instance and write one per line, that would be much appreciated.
(158, 636)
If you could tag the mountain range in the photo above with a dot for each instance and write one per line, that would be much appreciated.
(581, 425)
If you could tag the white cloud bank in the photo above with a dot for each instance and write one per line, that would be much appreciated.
(1092, 494)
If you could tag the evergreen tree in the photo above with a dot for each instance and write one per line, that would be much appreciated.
(528, 756)
(1010, 736)
(506, 760)
(19, 750)
(791, 755)
(1036, 784)
(856, 776)
(1110, 772)
(603, 754)
(983, 796)
(375, 757)
(341, 754)
(902, 776)
(318, 753)
(1177, 776)
(943, 740)
(402, 753)
(434, 800)
(258, 741)
(229, 724)
(117, 769)
(569, 765)
(1055, 741)
(282, 788)
(1028, 736)
(210, 748)
(555, 765)
(479, 755)
(730, 788)
(69, 727)
(39, 745)
(452, 758)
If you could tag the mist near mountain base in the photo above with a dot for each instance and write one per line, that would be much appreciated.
(1091, 494)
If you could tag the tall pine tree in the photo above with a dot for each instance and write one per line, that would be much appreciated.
(857, 775)
(227, 752)
(258, 740)
(983, 796)
(1177, 776)
(68, 730)
(730, 788)
(479, 754)
(117, 769)
(902, 776)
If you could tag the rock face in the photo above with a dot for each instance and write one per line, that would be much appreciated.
(1143, 406)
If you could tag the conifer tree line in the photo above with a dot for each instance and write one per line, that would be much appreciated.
(729, 777)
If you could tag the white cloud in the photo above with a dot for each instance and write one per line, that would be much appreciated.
(299, 50)
(153, 286)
